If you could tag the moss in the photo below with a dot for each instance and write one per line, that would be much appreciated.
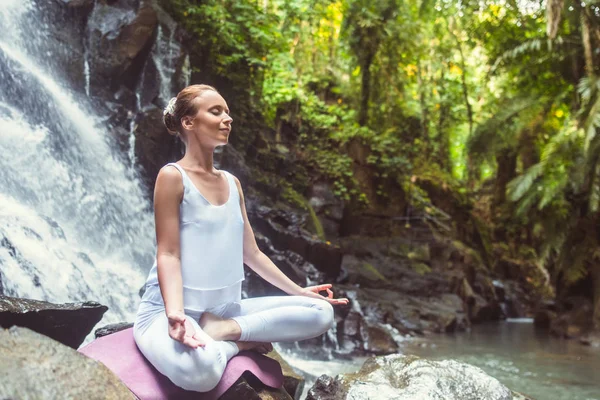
(294, 198)
(372, 273)
(316, 222)
(421, 268)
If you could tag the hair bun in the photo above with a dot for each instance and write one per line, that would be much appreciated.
(170, 108)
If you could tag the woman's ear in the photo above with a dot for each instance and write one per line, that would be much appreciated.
(187, 122)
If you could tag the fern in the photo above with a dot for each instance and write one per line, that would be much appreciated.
(496, 132)
(519, 186)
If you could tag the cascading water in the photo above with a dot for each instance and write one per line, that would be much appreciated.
(74, 221)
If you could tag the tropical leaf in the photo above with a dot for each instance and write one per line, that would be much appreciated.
(496, 132)
(518, 187)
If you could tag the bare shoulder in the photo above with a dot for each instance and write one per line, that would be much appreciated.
(239, 185)
(169, 180)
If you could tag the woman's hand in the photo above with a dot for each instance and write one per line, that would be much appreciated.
(182, 330)
(313, 291)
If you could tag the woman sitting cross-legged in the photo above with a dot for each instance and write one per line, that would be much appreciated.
(191, 319)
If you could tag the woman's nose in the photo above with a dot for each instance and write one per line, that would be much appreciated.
(228, 120)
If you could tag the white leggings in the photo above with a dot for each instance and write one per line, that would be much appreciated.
(261, 319)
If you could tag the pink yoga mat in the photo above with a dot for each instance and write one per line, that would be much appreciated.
(120, 354)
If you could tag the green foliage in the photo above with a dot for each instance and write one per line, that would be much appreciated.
(231, 37)
(481, 98)
(371, 272)
(316, 222)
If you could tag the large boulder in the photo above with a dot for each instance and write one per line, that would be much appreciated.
(399, 377)
(248, 387)
(121, 35)
(34, 366)
(573, 322)
(68, 323)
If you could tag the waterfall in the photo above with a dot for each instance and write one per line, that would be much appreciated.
(74, 221)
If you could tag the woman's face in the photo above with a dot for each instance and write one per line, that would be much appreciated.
(212, 124)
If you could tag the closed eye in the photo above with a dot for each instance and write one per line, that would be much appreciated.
(218, 110)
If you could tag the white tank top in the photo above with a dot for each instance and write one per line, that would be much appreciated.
(211, 247)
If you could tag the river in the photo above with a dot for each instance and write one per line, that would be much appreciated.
(528, 361)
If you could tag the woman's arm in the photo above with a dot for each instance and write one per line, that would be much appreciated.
(168, 194)
(266, 269)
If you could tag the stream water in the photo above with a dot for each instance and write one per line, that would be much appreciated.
(525, 360)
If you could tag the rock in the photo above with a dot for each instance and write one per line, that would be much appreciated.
(379, 341)
(293, 383)
(574, 322)
(328, 207)
(543, 319)
(483, 311)
(112, 328)
(34, 366)
(399, 377)
(68, 323)
(64, 42)
(248, 387)
(154, 146)
(591, 339)
(283, 228)
(233, 161)
(409, 313)
(163, 73)
(121, 34)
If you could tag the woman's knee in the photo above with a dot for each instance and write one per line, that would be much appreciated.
(200, 372)
(326, 318)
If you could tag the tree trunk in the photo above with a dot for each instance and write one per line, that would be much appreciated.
(365, 90)
(443, 135)
(507, 163)
(463, 76)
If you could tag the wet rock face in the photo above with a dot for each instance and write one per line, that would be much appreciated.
(67, 323)
(399, 377)
(285, 232)
(36, 367)
(329, 208)
(121, 34)
(154, 146)
(65, 41)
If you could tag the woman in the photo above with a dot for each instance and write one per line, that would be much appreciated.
(192, 319)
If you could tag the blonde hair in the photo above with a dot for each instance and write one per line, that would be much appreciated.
(183, 105)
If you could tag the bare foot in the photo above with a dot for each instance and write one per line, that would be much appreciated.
(259, 347)
(219, 328)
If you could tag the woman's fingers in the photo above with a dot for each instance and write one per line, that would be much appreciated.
(192, 342)
(338, 301)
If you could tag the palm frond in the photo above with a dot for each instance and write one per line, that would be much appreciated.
(495, 132)
(518, 187)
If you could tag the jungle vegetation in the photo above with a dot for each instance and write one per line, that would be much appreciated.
(498, 100)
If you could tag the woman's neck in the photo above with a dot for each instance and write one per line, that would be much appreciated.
(197, 156)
